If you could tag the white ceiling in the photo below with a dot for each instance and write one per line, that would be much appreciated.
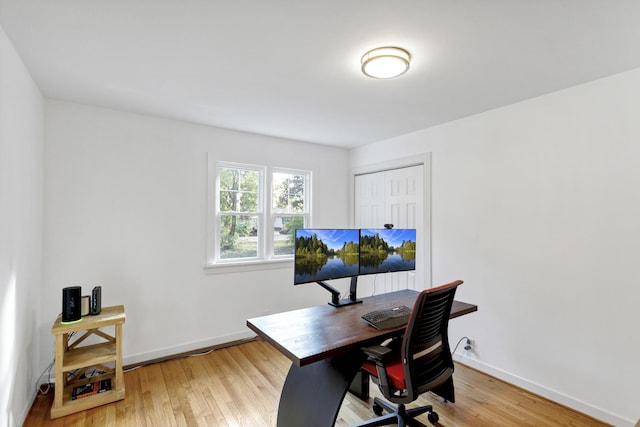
(291, 68)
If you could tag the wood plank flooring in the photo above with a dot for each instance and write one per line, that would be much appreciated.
(240, 386)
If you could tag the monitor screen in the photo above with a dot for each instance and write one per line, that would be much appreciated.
(324, 254)
(387, 250)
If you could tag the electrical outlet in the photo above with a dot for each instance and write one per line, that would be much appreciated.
(469, 345)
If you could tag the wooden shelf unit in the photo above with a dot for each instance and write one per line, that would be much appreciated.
(72, 356)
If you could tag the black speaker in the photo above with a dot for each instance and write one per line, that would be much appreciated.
(71, 304)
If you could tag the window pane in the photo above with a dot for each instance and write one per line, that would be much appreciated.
(284, 233)
(238, 236)
(238, 190)
(288, 192)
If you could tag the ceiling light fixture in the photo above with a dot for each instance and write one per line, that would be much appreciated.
(385, 62)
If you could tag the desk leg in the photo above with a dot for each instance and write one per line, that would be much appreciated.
(312, 394)
(360, 385)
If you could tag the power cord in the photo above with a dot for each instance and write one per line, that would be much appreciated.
(47, 389)
(467, 345)
(195, 354)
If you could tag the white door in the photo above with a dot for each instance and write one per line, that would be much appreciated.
(394, 197)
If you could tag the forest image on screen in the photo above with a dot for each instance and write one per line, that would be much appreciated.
(387, 250)
(325, 254)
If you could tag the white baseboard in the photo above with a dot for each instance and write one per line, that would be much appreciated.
(185, 348)
(141, 358)
(545, 392)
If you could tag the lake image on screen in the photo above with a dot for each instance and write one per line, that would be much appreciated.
(325, 254)
(387, 250)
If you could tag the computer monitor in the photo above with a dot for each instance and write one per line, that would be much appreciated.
(327, 254)
(386, 250)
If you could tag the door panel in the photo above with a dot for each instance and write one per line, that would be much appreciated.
(369, 199)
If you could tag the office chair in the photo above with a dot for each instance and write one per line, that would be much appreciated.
(421, 363)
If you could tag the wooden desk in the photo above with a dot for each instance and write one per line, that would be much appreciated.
(324, 344)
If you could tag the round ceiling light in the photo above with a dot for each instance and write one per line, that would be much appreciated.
(385, 62)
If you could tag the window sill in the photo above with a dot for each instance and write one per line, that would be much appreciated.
(245, 266)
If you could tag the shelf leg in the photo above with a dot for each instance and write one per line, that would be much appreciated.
(59, 381)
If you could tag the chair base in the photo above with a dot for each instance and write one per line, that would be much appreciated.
(399, 415)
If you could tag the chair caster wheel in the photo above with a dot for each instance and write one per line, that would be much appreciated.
(377, 409)
(433, 417)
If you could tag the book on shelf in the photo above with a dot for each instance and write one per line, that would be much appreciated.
(90, 389)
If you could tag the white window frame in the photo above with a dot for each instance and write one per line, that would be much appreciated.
(265, 257)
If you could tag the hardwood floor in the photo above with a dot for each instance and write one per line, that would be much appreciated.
(240, 386)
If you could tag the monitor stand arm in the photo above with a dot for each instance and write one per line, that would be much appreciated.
(335, 294)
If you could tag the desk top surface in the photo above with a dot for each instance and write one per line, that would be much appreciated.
(315, 333)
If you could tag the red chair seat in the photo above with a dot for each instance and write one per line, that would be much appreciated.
(395, 371)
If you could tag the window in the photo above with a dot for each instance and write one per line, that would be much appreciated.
(256, 212)
(289, 208)
(239, 211)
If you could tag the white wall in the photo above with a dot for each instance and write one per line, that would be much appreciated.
(536, 207)
(21, 146)
(125, 208)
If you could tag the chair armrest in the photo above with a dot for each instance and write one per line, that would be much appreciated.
(377, 352)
